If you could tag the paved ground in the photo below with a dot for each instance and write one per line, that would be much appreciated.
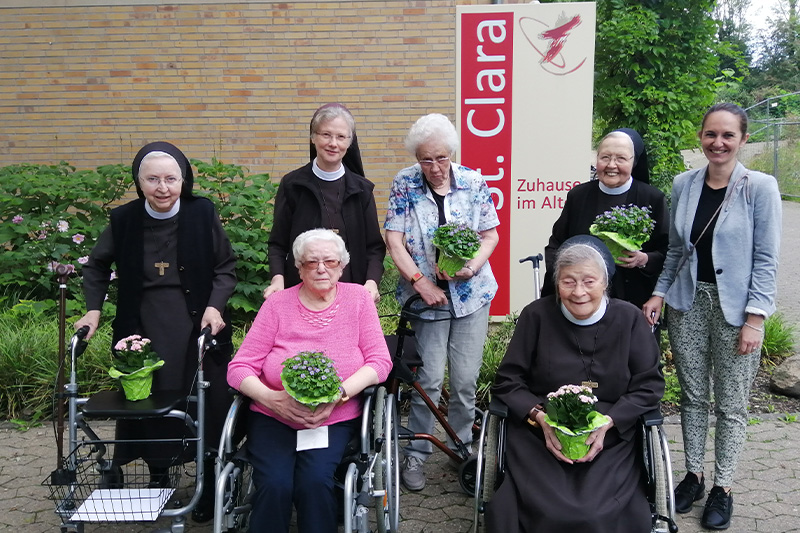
(766, 492)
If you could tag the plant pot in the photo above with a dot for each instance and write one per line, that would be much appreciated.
(450, 263)
(136, 385)
(573, 443)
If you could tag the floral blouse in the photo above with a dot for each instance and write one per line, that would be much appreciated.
(413, 211)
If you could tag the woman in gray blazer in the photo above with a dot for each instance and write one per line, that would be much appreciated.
(719, 284)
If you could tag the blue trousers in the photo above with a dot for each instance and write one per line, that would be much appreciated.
(284, 476)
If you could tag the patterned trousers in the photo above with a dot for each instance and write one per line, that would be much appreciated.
(705, 351)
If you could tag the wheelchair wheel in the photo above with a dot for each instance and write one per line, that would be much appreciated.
(387, 471)
(237, 477)
(661, 479)
(487, 468)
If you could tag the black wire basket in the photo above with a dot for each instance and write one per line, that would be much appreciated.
(90, 488)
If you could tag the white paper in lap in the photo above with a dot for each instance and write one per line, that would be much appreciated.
(123, 505)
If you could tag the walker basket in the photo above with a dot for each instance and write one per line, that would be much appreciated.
(90, 489)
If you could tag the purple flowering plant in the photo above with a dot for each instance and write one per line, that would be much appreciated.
(624, 227)
(311, 378)
(457, 243)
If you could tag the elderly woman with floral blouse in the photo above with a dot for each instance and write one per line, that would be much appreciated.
(434, 192)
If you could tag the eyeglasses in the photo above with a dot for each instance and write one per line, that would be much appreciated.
(441, 160)
(571, 284)
(327, 263)
(328, 137)
(170, 181)
(606, 159)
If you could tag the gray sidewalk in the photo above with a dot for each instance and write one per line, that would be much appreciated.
(766, 491)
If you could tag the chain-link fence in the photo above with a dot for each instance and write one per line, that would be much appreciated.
(774, 144)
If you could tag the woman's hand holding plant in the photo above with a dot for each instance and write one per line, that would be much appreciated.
(596, 442)
(550, 439)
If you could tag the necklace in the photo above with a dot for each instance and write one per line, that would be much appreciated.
(325, 204)
(160, 264)
(589, 381)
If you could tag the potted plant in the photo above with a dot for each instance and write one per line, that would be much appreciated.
(133, 364)
(570, 411)
(457, 243)
(625, 227)
(311, 379)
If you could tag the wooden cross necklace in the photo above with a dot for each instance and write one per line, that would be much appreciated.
(589, 381)
(160, 264)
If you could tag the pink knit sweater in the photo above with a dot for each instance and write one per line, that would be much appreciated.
(348, 332)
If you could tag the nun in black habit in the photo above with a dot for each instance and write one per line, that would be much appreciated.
(579, 336)
(623, 180)
(175, 271)
(329, 192)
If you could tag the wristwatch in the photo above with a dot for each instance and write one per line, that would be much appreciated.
(416, 277)
(344, 397)
(532, 419)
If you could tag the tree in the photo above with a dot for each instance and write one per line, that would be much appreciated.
(656, 64)
(734, 30)
(777, 62)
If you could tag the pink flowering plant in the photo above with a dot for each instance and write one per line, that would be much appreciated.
(311, 379)
(624, 227)
(133, 364)
(570, 411)
(457, 243)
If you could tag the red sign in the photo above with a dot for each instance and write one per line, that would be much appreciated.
(486, 67)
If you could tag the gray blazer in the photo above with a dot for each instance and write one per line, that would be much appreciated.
(744, 250)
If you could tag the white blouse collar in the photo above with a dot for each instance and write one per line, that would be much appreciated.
(595, 318)
(622, 189)
(325, 175)
(162, 216)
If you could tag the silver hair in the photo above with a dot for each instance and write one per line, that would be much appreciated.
(579, 254)
(153, 155)
(318, 235)
(432, 127)
(617, 135)
(330, 112)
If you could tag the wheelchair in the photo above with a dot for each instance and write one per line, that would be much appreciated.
(490, 467)
(87, 487)
(368, 478)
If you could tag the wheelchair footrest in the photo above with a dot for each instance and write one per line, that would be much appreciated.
(112, 404)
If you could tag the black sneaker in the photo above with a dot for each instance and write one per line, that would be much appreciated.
(688, 491)
(719, 507)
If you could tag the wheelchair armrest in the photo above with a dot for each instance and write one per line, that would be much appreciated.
(369, 391)
(652, 418)
(498, 408)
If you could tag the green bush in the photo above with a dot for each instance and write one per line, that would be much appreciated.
(55, 213)
(494, 349)
(245, 207)
(51, 214)
(778, 340)
(29, 362)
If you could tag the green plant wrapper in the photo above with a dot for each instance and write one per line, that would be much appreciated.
(312, 403)
(573, 442)
(450, 264)
(137, 385)
(617, 243)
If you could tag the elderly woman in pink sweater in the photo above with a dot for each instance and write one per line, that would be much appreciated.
(320, 315)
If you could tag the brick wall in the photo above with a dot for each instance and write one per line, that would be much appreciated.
(90, 84)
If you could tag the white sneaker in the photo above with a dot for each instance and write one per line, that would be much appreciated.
(412, 475)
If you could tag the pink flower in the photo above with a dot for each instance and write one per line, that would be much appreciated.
(62, 226)
(83, 260)
(17, 219)
(78, 238)
(42, 235)
(113, 275)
